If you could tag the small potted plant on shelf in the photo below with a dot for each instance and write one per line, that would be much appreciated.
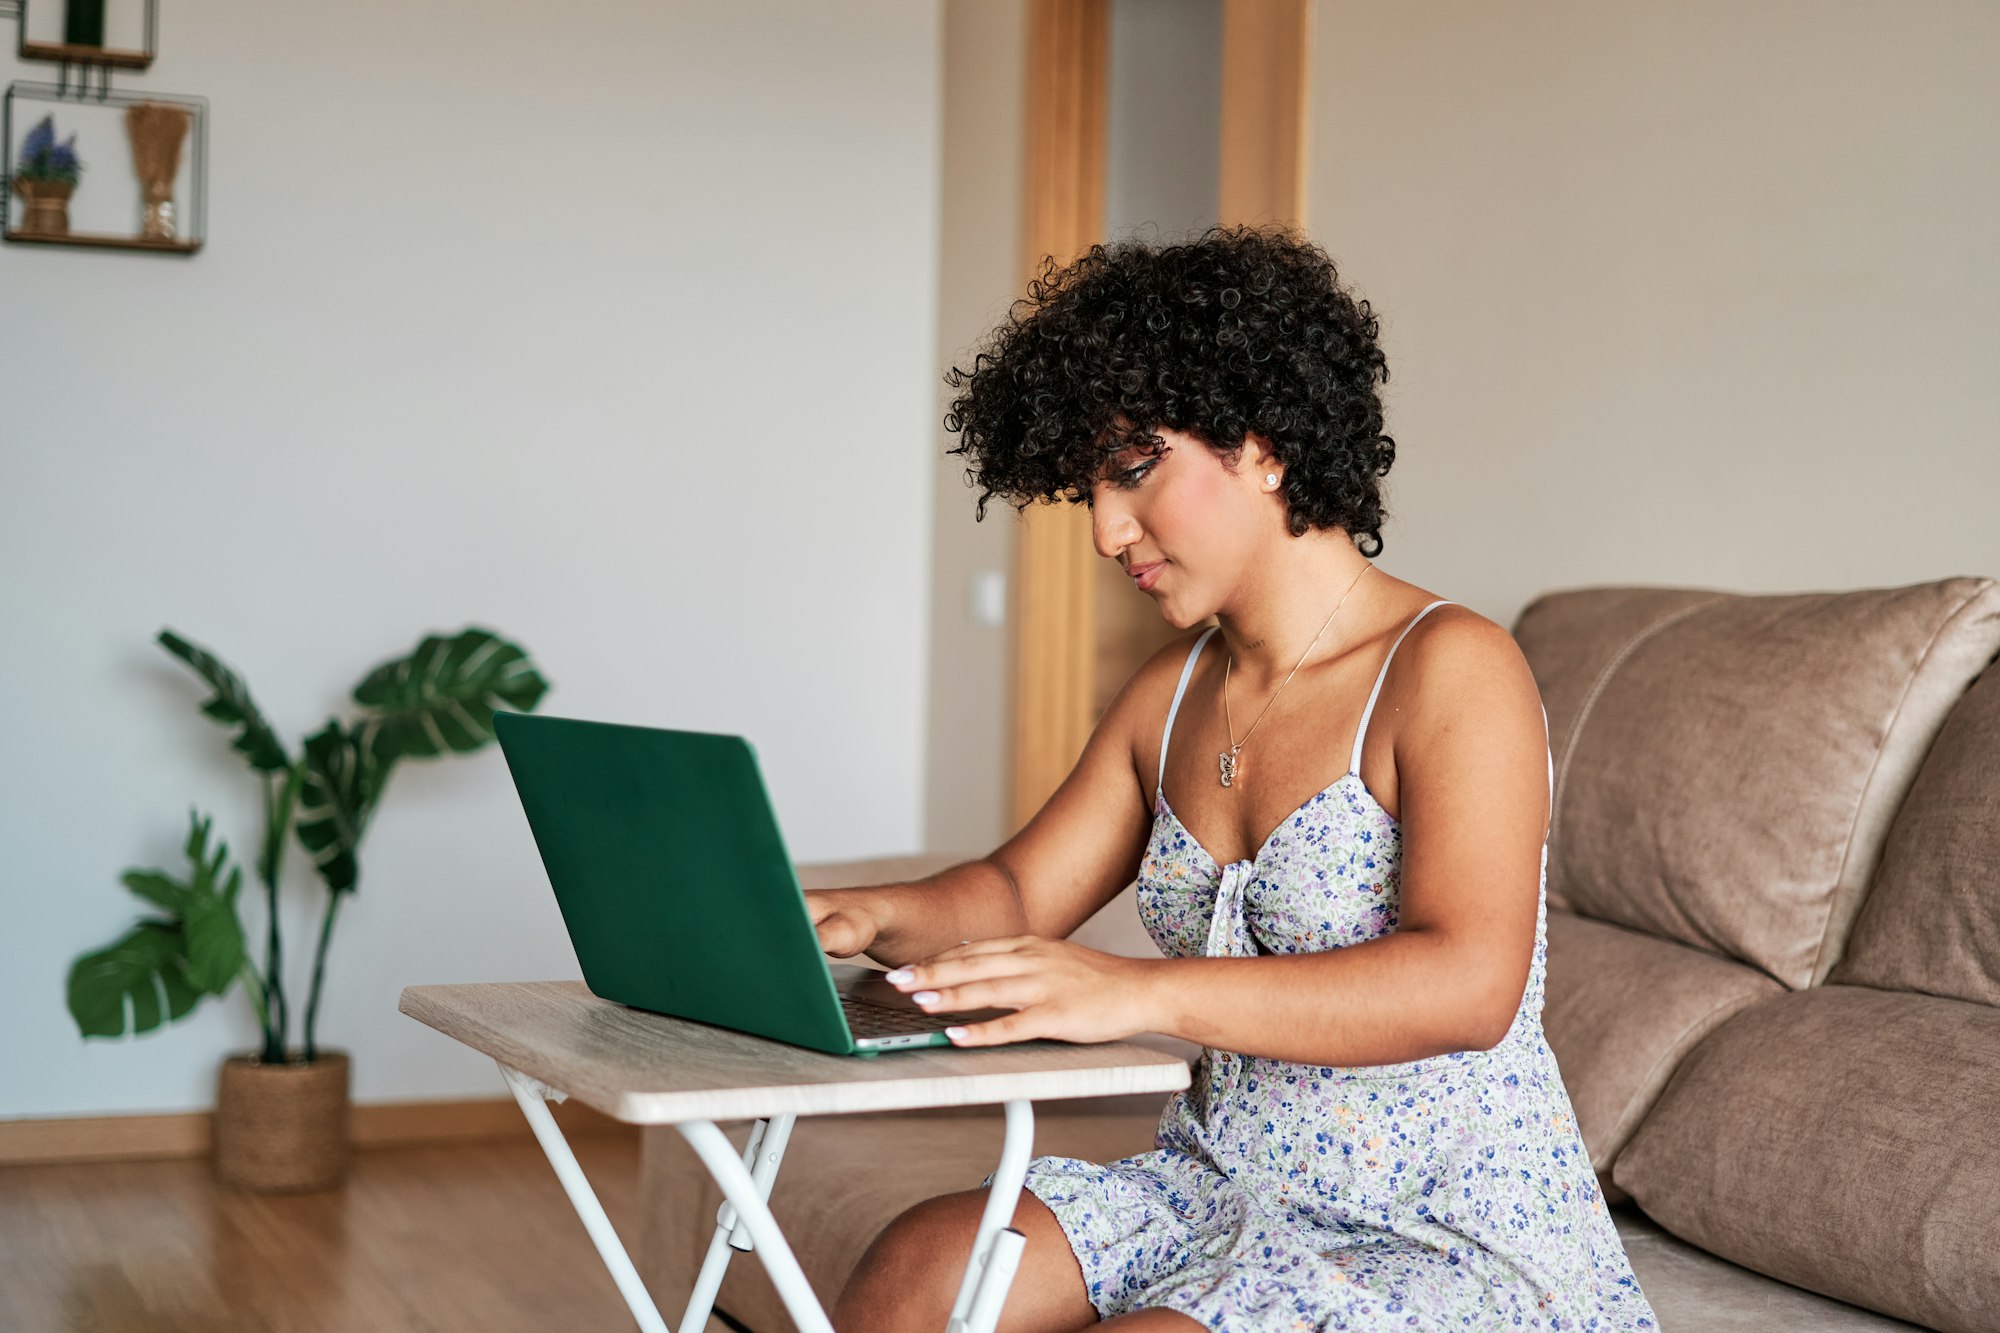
(281, 1114)
(45, 175)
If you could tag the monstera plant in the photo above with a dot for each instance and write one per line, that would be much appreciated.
(281, 1122)
(440, 699)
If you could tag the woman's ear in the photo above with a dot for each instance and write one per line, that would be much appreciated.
(1266, 468)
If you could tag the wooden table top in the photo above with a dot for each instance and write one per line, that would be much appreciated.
(649, 1069)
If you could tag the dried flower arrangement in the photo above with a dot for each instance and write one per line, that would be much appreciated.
(43, 159)
(44, 175)
(156, 130)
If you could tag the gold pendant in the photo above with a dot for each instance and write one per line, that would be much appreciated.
(1228, 758)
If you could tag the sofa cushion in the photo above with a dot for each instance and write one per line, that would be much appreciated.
(1621, 1009)
(844, 1178)
(1932, 921)
(1727, 765)
(1840, 1139)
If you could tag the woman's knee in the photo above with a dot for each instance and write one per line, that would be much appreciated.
(909, 1275)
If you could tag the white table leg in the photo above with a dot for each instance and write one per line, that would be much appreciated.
(745, 1220)
(709, 1281)
(996, 1249)
(740, 1188)
(531, 1093)
(762, 1156)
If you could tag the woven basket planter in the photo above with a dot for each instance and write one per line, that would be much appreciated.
(47, 207)
(282, 1128)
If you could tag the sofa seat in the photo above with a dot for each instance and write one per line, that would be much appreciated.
(1692, 1290)
(846, 1177)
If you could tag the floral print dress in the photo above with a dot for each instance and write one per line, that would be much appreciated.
(1447, 1192)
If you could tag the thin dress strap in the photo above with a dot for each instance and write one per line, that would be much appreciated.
(1160, 787)
(1361, 732)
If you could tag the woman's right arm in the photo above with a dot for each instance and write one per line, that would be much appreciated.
(1078, 852)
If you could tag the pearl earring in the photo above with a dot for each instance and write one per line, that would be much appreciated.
(1270, 479)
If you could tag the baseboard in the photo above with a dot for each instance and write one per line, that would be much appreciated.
(115, 1138)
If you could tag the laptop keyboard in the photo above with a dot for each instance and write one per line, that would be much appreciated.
(867, 1019)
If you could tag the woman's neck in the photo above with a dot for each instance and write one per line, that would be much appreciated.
(1275, 611)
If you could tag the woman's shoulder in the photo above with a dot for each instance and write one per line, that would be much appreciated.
(1446, 634)
(1455, 662)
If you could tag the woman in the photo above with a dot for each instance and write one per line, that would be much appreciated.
(1335, 803)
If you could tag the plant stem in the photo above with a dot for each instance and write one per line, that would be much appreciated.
(276, 1016)
(253, 986)
(319, 976)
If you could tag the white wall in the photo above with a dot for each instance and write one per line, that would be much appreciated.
(979, 275)
(1697, 293)
(1163, 124)
(610, 325)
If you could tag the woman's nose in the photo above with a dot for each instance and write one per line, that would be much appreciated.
(1112, 527)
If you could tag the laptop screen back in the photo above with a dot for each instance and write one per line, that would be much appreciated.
(672, 877)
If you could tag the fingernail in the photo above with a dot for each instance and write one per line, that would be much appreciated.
(902, 976)
(955, 1033)
(926, 997)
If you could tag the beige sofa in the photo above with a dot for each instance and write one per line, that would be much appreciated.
(1773, 971)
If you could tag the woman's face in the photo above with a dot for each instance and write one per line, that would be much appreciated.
(1180, 522)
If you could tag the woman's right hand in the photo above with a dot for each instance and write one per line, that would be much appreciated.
(841, 916)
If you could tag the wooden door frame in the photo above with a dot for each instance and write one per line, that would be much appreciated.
(1266, 67)
(1266, 51)
(1063, 215)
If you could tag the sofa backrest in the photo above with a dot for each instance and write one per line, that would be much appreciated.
(1932, 921)
(1728, 765)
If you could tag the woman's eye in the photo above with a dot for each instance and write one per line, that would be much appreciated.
(1126, 480)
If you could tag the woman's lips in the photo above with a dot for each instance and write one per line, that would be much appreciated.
(1146, 575)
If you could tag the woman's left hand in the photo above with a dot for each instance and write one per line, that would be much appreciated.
(1057, 989)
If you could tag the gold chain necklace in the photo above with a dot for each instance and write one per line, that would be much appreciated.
(1228, 758)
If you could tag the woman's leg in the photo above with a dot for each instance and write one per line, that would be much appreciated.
(909, 1277)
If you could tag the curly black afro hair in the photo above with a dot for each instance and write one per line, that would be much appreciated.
(1239, 330)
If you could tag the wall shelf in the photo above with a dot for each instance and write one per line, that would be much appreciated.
(167, 216)
(143, 27)
(109, 193)
(103, 242)
(84, 55)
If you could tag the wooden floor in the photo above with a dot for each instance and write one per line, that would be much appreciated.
(434, 1237)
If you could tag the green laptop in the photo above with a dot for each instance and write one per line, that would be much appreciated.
(679, 897)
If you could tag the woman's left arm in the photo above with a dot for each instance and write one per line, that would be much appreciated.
(1472, 787)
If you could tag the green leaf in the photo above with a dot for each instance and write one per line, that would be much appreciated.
(232, 704)
(169, 895)
(442, 696)
(212, 937)
(146, 970)
(202, 910)
(341, 779)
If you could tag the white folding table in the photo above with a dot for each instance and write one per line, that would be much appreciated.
(555, 1040)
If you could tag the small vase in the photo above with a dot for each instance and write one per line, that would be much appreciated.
(282, 1128)
(156, 223)
(48, 207)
